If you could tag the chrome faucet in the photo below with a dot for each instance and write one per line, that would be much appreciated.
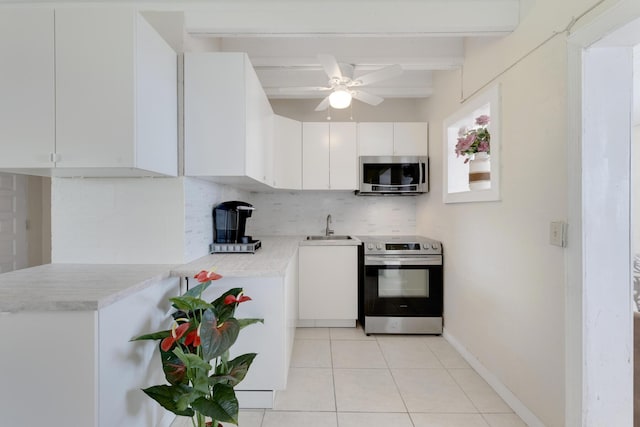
(328, 231)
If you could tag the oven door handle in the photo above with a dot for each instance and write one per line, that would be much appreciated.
(381, 261)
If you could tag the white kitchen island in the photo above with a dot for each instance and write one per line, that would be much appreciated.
(66, 359)
(270, 278)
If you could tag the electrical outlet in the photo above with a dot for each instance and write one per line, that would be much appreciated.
(558, 234)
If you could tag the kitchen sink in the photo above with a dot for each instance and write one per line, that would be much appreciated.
(331, 237)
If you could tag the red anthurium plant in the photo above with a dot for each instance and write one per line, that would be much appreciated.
(195, 356)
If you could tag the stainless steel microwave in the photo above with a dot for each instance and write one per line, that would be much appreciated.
(399, 175)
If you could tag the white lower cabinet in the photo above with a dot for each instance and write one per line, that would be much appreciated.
(328, 285)
(93, 376)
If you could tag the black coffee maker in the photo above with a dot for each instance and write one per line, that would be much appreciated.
(229, 222)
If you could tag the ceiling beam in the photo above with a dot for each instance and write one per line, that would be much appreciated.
(352, 17)
(392, 92)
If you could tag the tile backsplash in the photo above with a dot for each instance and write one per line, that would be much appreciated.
(200, 196)
(303, 213)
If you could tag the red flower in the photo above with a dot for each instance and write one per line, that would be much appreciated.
(193, 337)
(205, 276)
(176, 333)
(230, 299)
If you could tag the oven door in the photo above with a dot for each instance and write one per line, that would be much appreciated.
(401, 286)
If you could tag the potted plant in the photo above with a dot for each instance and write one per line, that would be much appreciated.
(475, 145)
(474, 140)
(195, 355)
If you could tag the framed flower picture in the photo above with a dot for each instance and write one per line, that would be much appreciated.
(471, 152)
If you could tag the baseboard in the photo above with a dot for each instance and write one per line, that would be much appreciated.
(510, 399)
(326, 323)
(255, 399)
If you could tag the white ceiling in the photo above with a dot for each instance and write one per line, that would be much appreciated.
(283, 37)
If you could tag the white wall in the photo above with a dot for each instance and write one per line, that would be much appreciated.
(504, 282)
(125, 220)
(133, 220)
(303, 213)
(168, 220)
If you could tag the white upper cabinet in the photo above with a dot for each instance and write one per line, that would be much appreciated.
(228, 118)
(410, 139)
(116, 92)
(343, 156)
(393, 139)
(375, 139)
(329, 156)
(27, 88)
(106, 80)
(287, 153)
(315, 156)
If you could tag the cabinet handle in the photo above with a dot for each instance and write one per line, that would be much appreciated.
(54, 157)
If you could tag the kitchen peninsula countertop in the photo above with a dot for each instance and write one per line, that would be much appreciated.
(270, 260)
(83, 287)
(75, 287)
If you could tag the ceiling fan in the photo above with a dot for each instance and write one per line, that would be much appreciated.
(343, 86)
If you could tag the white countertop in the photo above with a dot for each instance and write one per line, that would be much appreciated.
(270, 260)
(74, 287)
(82, 287)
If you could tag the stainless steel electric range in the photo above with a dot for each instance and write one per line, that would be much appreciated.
(402, 285)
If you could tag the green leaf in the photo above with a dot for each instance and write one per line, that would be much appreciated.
(174, 369)
(168, 396)
(154, 336)
(196, 291)
(188, 303)
(246, 322)
(215, 340)
(222, 407)
(237, 370)
(192, 361)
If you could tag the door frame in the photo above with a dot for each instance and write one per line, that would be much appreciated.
(598, 317)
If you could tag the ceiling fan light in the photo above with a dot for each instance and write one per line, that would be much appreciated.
(340, 99)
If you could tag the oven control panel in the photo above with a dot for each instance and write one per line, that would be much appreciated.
(414, 245)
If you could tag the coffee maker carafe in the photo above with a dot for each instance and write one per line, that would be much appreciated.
(229, 221)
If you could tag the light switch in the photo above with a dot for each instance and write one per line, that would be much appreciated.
(558, 234)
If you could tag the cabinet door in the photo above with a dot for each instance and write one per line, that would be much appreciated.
(258, 130)
(95, 106)
(287, 153)
(375, 139)
(27, 103)
(410, 139)
(214, 114)
(315, 156)
(328, 281)
(343, 157)
(156, 84)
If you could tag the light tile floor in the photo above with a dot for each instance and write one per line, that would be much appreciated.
(340, 377)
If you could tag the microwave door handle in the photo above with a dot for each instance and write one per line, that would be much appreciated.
(422, 172)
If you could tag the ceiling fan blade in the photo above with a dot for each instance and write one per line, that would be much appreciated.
(366, 97)
(381, 74)
(303, 89)
(323, 105)
(330, 65)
